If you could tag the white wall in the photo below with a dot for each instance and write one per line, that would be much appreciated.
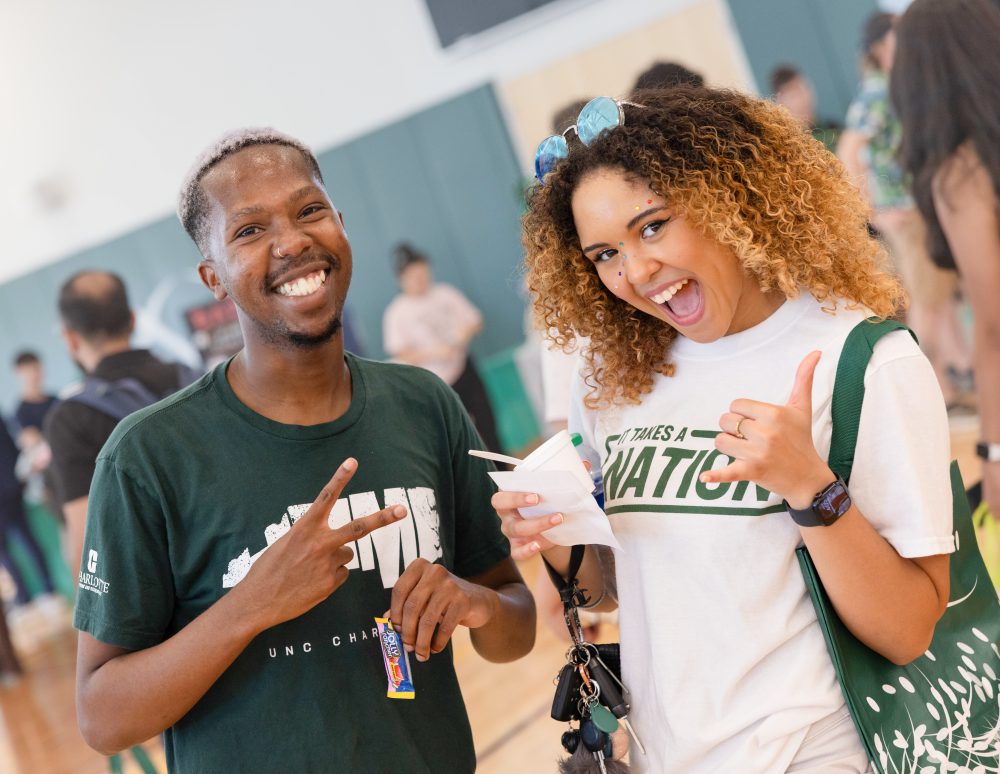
(105, 103)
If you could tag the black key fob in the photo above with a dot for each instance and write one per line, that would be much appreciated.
(564, 703)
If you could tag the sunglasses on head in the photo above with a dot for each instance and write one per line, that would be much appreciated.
(597, 116)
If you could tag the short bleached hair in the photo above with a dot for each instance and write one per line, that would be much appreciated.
(192, 205)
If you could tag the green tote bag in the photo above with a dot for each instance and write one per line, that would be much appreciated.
(940, 712)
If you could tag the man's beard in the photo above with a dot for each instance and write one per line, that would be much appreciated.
(311, 341)
(285, 338)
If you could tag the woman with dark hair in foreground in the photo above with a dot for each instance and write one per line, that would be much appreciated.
(945, 90)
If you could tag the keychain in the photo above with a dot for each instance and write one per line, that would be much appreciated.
(588, 692)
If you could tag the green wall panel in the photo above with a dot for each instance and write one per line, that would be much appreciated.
(820, 37)
(445, 178)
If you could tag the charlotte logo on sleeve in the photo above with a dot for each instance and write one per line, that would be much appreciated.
(89, 579)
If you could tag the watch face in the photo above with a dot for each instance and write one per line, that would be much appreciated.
(833, 502)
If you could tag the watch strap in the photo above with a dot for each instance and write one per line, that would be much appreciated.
(826, 508)
(988, 451)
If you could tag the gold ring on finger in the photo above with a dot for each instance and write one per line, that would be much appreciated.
(739, 434)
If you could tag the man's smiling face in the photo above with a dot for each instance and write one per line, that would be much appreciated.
(276, 246)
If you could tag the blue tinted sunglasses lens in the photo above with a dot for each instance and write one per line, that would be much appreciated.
(548, 154)
(598, 115)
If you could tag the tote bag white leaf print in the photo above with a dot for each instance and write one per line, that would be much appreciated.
(940, 713)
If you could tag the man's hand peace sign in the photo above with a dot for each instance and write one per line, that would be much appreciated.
(306, 565)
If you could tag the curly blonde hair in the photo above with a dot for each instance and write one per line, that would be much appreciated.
(741, 170)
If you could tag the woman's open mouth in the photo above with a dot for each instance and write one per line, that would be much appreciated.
(683, 302)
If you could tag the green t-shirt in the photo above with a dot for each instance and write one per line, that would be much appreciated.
(190, 491)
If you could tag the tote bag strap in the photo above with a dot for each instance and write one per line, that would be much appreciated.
(849, 389)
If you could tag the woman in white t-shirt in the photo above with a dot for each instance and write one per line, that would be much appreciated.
(430, 324)
(717, 257)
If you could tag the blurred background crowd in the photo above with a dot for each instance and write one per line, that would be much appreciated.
(426, 114)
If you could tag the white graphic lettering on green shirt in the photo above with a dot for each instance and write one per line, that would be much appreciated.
(390, 548)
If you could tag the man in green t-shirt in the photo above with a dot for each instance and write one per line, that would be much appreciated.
(221, 600)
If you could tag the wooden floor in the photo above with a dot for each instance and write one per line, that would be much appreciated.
(38, 733)
(508, 704)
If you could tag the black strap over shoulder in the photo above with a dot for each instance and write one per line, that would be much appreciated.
(120, 397)
(117, 398)
(187, 375)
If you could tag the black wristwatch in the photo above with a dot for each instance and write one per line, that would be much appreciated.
(988, 451)
(828, 506)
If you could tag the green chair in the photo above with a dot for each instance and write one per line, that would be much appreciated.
(517, 424)
(140, 757)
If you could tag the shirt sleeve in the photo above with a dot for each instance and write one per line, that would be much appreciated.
(10, 487)
(126, 591)
(20, 419)
(558, 369)
(900, 480)
(479, 543)
(75, 445)
(582, 421)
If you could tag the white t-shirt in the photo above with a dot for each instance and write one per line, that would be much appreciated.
(558, 371)
(436, 317)
(721, 648)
